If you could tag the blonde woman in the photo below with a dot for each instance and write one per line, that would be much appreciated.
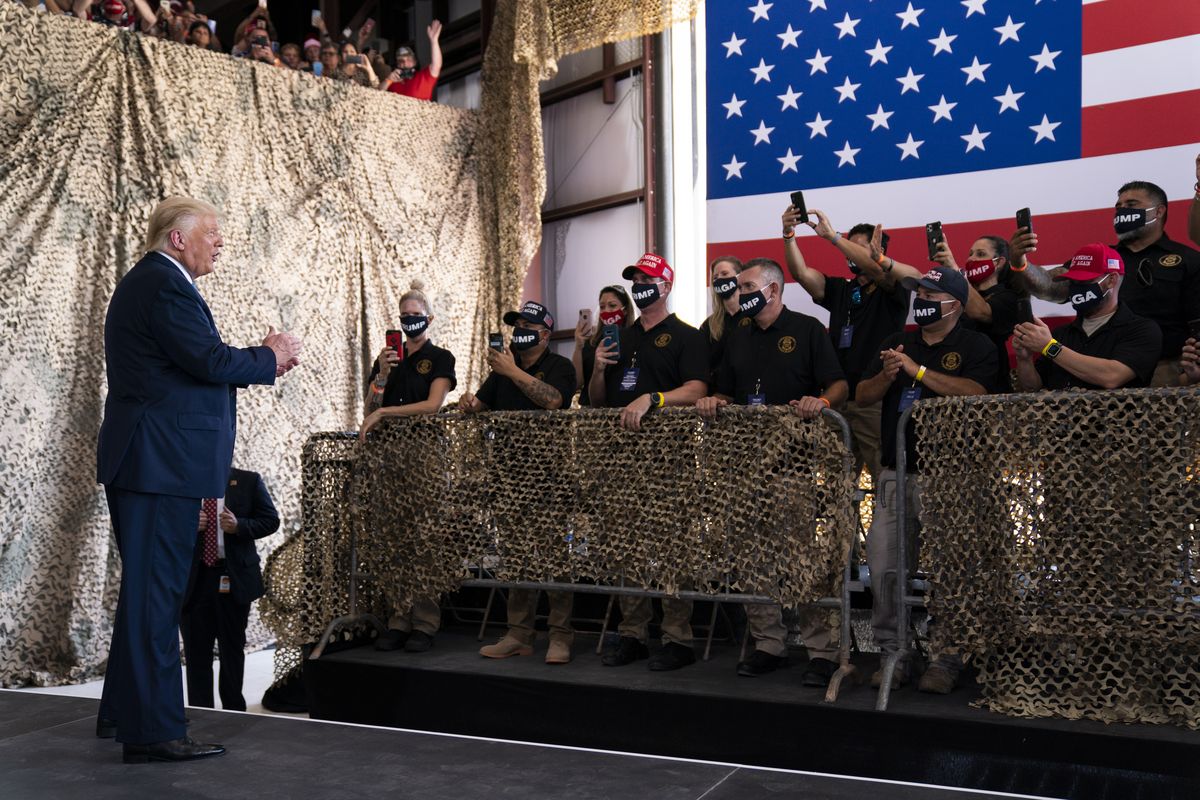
(722, 273)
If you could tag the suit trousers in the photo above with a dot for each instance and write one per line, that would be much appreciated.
(210, 616)
(522, 613)
(143, 684)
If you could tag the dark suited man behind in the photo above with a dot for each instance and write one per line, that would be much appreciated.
(216, 606)
(165, 443)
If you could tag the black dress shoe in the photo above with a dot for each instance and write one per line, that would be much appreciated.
(418, 642)
(391, 640)
(184, 749)
(760, 663)
(627, 651)
(105, 728)
(672, 656)
(818, 673)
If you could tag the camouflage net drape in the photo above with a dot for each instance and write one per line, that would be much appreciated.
(758, 502)
(335, 198)
(1060, 532)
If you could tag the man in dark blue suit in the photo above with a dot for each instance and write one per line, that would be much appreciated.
(166, 441)
(216, 606)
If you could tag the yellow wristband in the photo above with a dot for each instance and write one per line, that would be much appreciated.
(1049, 344)
(920, 374)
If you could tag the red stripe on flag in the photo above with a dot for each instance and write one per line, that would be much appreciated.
(1107, 128)
(1114, 24)
(1060, 235)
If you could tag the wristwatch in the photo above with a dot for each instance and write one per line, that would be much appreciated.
(1052, 349)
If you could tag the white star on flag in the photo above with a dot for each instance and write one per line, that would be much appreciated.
(942, 109)
(818, 126)
(846, 155)
(910, 81)
(818, 63)
(880, 118)
(909, 16)
(975, 71)
(1009, 30)
(813, 5)
(789, 37)
(974, 6)
(846, 26)
(734, 106)
(1044, 129)
(734, 45)
(1008, 100)
(734, 168)
(878, 53)
(763, 71)
(941, 43)
(760, 11)
(1045, 58)
(789, 98)
(846, 90)
(909, 148)
(762, 133)
(789, 162)
(975, 138)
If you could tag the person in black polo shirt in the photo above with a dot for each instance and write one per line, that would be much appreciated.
(663, 362)
(1163, 284)
(533, 379)
(726, 315)
(941, 359)
(1107, 346)
(416, 384)
(863, 311)
(781, 358)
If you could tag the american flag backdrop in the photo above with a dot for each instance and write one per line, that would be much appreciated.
(960, 111)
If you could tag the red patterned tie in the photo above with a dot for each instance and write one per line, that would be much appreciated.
(210, 531)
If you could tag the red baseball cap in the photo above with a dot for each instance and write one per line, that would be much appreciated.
(652, 265)
(1093, 261)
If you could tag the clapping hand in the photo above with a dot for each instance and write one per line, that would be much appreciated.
(286, 347)
(1030, 338)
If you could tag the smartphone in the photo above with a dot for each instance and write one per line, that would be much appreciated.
(496, 342)
(318, 68)
(1194, 330)
(316, 17)
(1024, 310)
(260, 41)
(585, 316)
(612, 335)
(262, 3)
(261, 24)
(395, 340)
(934, 236)
(1024, 220)
(798, 204)
(354, 59)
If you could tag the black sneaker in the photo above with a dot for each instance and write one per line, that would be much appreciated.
(760, 663)
(391, 639)
(818, 673)
(672, 656)
(627, 651)
(418, 642)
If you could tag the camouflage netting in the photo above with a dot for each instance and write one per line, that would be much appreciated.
(1060, 535)
(758, 502)
(335, 198)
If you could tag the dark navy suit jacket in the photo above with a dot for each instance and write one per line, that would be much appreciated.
(171, 414)
(247, 497)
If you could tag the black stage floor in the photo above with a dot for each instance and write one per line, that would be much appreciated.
(705, 711)
(48, 750)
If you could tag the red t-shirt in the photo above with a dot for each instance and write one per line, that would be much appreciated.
(419, 85)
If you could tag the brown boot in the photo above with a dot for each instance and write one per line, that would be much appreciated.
(559, 651)
(899, 677)
(508, 646)
(940, 678)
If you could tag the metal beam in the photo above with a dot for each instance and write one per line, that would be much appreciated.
(591, 206)
(589, 82)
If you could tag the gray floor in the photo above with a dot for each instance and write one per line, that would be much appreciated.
(48, 750)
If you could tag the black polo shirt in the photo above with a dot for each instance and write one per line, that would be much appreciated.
(499, 393)
(409, 381)
(963, 353)
(1134, 341)
(716, 347)
(667, 356)
(1003, 302)
(1172, 297)
(790, 359)
(874, 312)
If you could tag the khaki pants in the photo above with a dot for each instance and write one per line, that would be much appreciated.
(770, 634)
(1166, 374)
(422, 614)
(522, 612)
(864, 437)
(881, 555)
(636, 613)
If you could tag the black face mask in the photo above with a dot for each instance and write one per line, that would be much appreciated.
(413, 325)
(927, 312)
(1129, 220)
(752, 303)
(725, 287)
(525, 338)
(646, 294)
(1086, 297)
(855, 269)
